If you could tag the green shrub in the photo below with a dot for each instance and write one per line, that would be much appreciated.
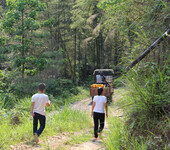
(56, 87)
(146, 103)
(61, 87)
(24, 87)
(119, 138)
(7, 100)
(149, 97)
(4, 81)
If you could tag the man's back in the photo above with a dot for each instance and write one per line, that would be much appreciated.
(40, 100)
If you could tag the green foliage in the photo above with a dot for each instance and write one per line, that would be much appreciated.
(7, 100)
(150, 93)
(49, 22)
(146, 105)
(2, 41)
(135, 21)
(19, 23)
(118, 137)
(5, 80)
(2, 85)
(116, 134)
(34, 65)
(121, 133)
(61, 87)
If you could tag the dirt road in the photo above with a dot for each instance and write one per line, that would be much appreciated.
(59, 142)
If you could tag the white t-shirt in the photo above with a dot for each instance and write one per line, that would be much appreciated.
(100, 101)
(98, 78)
(40, 100)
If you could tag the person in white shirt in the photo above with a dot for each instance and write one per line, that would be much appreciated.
(99, 108)
(99, 78)
(38, 103)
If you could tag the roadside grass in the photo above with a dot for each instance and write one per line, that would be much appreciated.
(115, 134)
(16, 123)
(11, 134)
(67, 120)
(145, 106)
(118, 136)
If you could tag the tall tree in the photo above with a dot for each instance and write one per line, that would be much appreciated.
(137, 22)
(87, 21)
(20, 20)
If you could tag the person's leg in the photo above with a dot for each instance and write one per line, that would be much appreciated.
(42, 120)
(102, 120)
(35, 123)
(96, 124)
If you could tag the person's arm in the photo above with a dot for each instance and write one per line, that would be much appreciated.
(48, 104)
(32, 108)
(105, 106)
(94, 103)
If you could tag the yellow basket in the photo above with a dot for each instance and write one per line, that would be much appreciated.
(97, 85)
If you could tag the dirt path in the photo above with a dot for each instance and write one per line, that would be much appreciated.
(59, 142)
(85, 105)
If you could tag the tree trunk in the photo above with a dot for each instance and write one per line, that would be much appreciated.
(23, 53)
(66, 55)
(116, 47)
(79, 53)
(75, 56)
(102, 50)
(98, 52)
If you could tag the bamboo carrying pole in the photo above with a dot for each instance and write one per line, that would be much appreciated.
(148, 50)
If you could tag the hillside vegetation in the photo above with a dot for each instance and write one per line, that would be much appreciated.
(61, 42)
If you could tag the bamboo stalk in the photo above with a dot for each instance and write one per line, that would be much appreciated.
(148, 50)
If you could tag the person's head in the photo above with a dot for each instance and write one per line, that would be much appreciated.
(41, 87)
(100, 90)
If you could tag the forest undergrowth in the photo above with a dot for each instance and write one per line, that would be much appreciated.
(145, 104)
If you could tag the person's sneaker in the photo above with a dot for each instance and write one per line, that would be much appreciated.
(36, 138)
(94, 140)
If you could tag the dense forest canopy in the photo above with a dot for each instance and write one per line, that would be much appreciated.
(48, 39)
